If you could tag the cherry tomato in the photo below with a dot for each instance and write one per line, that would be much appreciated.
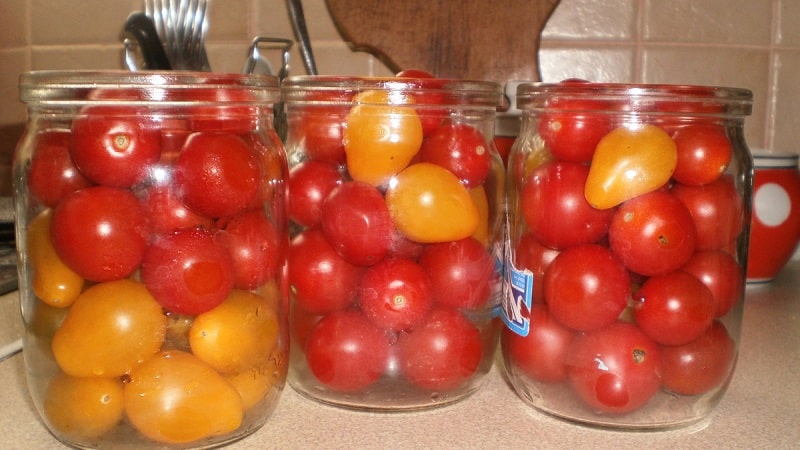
(309, 183)
(430, 117)
(428, 204)
(356, 221)
(614, 369)
(83, 408)
(717, 210)
(346, 352)
(114, 146)
(256, 384)
(700, 365)
(652, 234)
(224, 114)
(402, 247)
(188, 272)
(704, 152)
(217, 174)
(167, 212)
(255, 246)
(461, 149)
(318, 130)
(380, 138)
(555, 209)
(721, 274)
(100, 232)
(586, 287)
(110, 328)
(175, 398)
(461, 272)
(53, 281)
(442, 352)
(320, 279)
(630, 161)
(395, 294)
(572, 136)
(481, 201)
(52, 174)
(533, 256)
(542, 354)
(674, 308)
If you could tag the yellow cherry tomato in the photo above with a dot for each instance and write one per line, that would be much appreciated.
(175, 398)
(380, 138)
(478, 195)
(83, 408)
(236, 335)
(630, 161)
(53, 281)
(256, 383)
(109, 329)
(428, 204)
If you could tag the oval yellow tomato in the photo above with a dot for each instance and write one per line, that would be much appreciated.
(630, 161)
(428, 204)
(256, 383)
(53, 281)
(478, 195)
(83, 408)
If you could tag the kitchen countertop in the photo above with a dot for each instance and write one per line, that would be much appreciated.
(760, 410)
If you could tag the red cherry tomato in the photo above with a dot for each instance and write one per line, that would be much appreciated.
(309, 183)
(461, 149)
(431, 117)
(542, 354)
(615, 369)
(114, 146)
(167, 213)
(440, 353)
(356, 222)
(52, 173)
(318, 130)
(395, 294)
(717, 210)
(701, 365)
(721, 274)
(461, 272)
(555, 209)
(224, 114)
(188, 272)
(100, 232)
(532, 255)
(571, 135)
(255, 246)
(704, 152)
(346, 352)
(586, 287)
(652, 233)
(674, 308)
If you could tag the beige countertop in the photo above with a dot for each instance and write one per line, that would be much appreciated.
(761, 409)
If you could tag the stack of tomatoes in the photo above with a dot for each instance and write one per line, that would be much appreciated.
(628, 223)
(393, 197)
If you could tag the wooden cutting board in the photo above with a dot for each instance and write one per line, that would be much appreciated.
(472, 39)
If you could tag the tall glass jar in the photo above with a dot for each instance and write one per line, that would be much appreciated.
(152, 236)
(629, 209)
(396, 194)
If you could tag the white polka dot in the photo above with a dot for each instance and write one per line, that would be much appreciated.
(772, 204)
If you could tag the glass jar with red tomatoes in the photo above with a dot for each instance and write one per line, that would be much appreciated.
(152, 236)
(628, 212)
(396, 209)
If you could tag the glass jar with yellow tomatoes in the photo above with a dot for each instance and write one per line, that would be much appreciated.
(396, 211)
(628, 208)
(152, 227)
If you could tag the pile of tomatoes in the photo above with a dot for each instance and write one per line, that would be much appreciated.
(628, 226)
(391, 266)
(156, 247)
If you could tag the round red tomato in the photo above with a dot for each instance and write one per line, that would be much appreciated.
(542, 354)
(114, 146)
(717, 210)
(346, 352)
(586, 287)
(395, 294)
(461, 272)
(701, 365)
(428, 94)
(440, 353)
(188, 272)
(309, 183)
(721, 274)
(100, 232)
(461, 149)
(571, 135)
(52, 174)
(319, 132)
(652, 233)
(704, 152)
(356, 222)
(167, 213)
(321, 281)
(255, 246)
(615, 369)
(674, 308)
(533, 256)
(218, 174)
(555, 209)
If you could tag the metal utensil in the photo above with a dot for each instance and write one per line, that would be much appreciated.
(143, 31)
(182, 25)
(301, 33)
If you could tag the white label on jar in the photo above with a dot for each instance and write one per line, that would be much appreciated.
(518, 299)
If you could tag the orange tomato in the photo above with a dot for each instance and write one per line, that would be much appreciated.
(478, 195)
(255, 383)
(428, 204)
(630, 161)
(83, 408)
(175, 398)
(53, 281)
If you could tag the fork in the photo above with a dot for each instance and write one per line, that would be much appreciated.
(182, 26)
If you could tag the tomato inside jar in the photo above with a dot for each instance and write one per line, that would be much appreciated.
(155, 230)
(396, 200)
(627, 213)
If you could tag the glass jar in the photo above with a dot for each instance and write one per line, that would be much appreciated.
(395, 207)
(152, 236)
(629, 208)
